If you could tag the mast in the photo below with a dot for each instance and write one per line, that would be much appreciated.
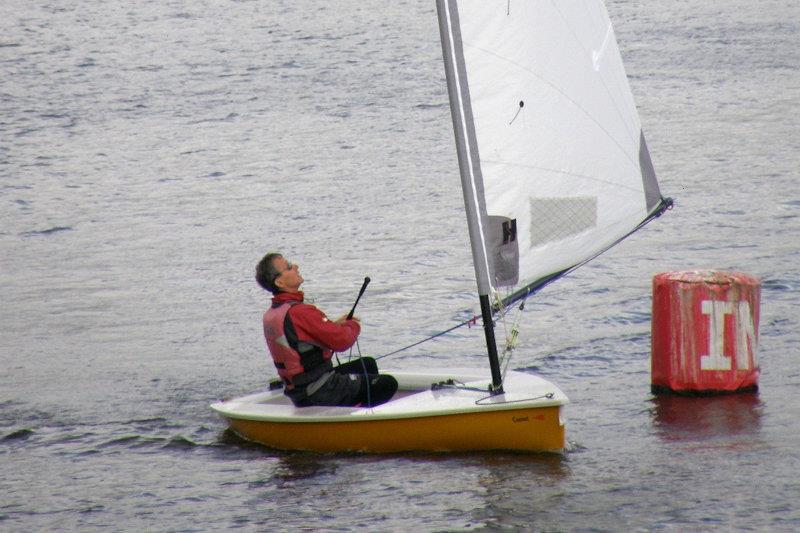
(470, 170)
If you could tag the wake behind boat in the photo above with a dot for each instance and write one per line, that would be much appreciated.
(554, 170)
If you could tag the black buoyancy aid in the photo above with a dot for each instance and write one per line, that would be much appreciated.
(298, 363)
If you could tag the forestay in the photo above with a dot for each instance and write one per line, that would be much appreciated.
(554, 165)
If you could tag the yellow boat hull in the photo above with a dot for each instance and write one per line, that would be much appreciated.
(525, 418)
(529, 430)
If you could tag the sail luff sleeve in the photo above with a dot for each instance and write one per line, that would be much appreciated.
(466, 144)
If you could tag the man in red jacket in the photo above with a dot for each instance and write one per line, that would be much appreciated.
(302, 341)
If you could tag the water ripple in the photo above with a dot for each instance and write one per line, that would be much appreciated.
(49, 231)
(17, 435)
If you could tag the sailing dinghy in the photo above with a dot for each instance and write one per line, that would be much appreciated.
(554, 170)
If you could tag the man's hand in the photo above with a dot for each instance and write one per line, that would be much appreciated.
(342, 319)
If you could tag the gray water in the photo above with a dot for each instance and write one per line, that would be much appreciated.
(151, 152)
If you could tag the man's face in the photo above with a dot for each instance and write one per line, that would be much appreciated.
(289, 279)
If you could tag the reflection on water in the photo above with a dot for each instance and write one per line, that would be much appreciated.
(489, 489)
(706, 417)
(517, 490)
(284, 467)
(500, 467)
(300, 466)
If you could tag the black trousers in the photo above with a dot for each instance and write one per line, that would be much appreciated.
(362, 365)
(355, 383)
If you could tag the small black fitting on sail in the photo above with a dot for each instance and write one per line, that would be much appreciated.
(521, 105)
(503, 251)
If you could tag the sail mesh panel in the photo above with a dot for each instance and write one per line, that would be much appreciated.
(554, 219)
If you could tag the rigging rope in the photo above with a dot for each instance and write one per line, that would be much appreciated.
(512, 334)
(521, 296)
(472, 320)
(511, 340)
(492, 398)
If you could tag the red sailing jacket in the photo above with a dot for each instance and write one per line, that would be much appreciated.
(302, 340)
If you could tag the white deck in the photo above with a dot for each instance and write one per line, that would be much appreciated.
(414, 399)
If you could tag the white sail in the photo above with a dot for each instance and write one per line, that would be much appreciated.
(554, 164)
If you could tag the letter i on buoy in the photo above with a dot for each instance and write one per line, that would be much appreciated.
(705, 332)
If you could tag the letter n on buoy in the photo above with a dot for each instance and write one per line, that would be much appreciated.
(705, 332)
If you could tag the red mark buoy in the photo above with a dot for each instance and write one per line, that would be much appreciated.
(705, 332)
